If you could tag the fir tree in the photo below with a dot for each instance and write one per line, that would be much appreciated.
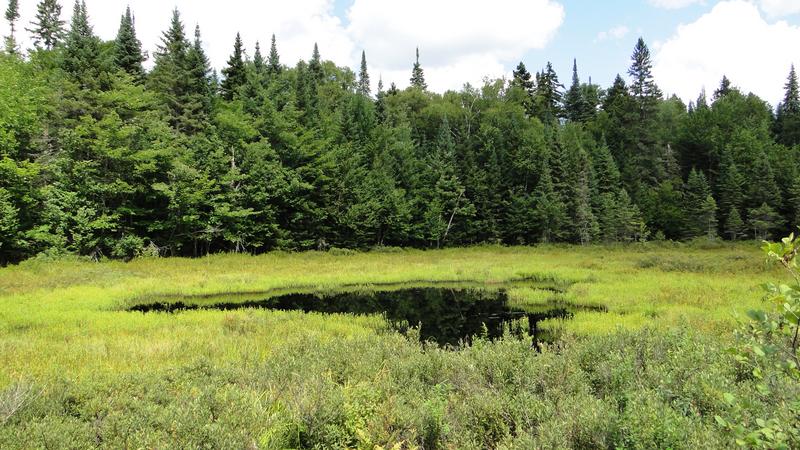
(548, 95)
(418, 75)
(235, 73)
(199, 87)
(575, 104)
(258, 61)
(128, 49)
(273, 61)
(47, 27)
(730, 184)
(696, 193)
(315, 69)
(522, 78)
(707, 214)
(12, 15)
(763, 187)
(734, 226)
(550, 213)
(363, 77)
(82, 48)
(787, 125)
(763, 221)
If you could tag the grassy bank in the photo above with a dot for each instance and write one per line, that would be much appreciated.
(93, 374)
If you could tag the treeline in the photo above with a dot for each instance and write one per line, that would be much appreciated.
(100, 157)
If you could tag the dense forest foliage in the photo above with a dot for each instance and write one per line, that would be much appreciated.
(100, 157)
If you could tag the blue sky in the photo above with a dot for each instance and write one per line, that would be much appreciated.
(694, 42)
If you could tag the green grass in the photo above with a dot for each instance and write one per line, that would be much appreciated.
(98, 375)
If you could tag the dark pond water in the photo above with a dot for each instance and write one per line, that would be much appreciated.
(446, 316)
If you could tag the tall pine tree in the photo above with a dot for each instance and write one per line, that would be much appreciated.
(274, 60)
(12, 15)
(787, 125)
(47, 28)
(575, 104)
(82, 48)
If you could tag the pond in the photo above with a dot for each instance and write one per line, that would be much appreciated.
(445, 315)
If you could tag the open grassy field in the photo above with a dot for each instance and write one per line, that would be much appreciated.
(80, 371)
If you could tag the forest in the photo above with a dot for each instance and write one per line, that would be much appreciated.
(102, 158)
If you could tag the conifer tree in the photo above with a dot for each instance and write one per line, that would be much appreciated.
(235, 73)
(696, 193)
(363, 77)
(548, 95)
(258, 60)
(723, 89)
(12, 15)
(315, 69)
(730, 184)
(763, 187)
(128, 49)
(575, 104)
(787, 124)
(643, 87)
(82, 47)
(418, 75)
(708, 216)
(763, 221)
(606, 170)
(199, 87)
(734, 226)
(550, 212)
(47, 28)
(523, 80)
(273, 61)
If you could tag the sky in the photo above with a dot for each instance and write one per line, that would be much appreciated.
(694, 42)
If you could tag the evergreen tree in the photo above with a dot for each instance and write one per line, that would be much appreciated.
(548, 95)
(235, 73)
(708, 216)
(585, 220)
(363, 77)
(522, 80)
(418, 75)
(648, 151)
(643, 87)
(550, 212)
(730, 185)
(199, 87)
(787, 125)
(734, 226)
(128, 49)
(575, 104)
(724, 88)
(274, 62)
(258, 61)
(763, 221)
(696, 195)
(82, 48)
(315, 69)
(47, 27)
(12, 15)
(628, 218)
(763, 187)
(606, 170)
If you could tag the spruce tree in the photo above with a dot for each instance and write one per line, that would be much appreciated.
(235, 73)
(575, 104)
(763, 221)
(523, 80)
(258, 61)
(708, 216)
(763, 187)
(12, 15)
(787, 126)
(82, 48)
(363, 77)
(643, 87)
(315, 69)
(548, 95)
(273, 61)
(47, 28)
(696, 193)
(199, 87)
(730, 184)
(128, 49)
(418, 75)
(550, 212)
(734, 226)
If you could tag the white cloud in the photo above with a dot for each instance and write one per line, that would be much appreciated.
(615, 33)
(780, 8)
(459, 40)
(734, 40)
(674, 4)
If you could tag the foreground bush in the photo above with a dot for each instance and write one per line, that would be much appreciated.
(631, 390)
